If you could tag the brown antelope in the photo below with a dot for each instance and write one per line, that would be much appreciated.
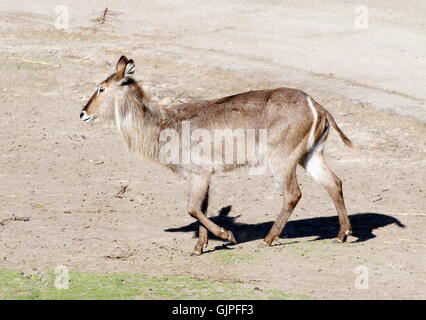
(297, 128)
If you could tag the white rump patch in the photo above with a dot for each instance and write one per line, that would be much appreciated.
(314, 162)
(317, 168)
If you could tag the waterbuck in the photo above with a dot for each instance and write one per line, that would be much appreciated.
(296, 128)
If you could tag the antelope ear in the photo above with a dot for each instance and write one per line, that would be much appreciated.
(130, 68)
(120, 67)
(125, 68)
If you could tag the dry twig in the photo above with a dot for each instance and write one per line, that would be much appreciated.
(121, 192)
(13, 218)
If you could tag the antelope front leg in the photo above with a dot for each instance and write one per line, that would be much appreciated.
(198, 191)
(202, 231)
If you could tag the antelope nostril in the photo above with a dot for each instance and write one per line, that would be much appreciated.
(81, 115)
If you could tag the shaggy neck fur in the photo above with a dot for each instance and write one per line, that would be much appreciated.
(138, 121)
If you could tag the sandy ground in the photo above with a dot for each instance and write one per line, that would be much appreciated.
(64, 174)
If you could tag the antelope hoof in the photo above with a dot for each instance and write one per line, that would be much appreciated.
(269, 240)
(196, 253)
(263, 244)
(339, 240)
(198, 250)
(343, 235)
(231, 237)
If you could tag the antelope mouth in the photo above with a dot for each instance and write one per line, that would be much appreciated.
(85, 117)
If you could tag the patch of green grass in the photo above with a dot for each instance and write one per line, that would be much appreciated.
(231, 257)
(280, 295)
(324, 249)
(13, 285)
(29, 65)
(307, 247)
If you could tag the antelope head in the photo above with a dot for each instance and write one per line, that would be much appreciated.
(102, 103)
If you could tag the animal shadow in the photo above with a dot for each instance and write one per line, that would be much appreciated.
(363, 225)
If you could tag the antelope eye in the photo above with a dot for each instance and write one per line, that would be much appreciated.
(101, 89)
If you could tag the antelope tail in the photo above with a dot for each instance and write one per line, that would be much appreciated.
(344, 138)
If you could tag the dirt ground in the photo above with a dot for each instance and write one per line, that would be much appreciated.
(64, 175)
